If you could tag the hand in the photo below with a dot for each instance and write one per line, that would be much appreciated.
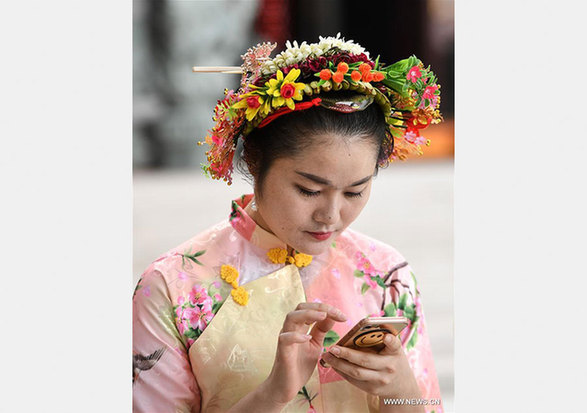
(386, 374)
(298, 353)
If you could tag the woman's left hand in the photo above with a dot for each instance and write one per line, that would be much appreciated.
(385, 374)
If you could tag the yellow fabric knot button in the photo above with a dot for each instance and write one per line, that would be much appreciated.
(240, 295)
(277, 255)
(229, 274)
(302, 260)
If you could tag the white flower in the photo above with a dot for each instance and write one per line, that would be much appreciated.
(295, 53)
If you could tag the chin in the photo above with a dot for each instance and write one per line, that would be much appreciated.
(314, 248)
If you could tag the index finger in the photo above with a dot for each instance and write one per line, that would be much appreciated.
(331, 311)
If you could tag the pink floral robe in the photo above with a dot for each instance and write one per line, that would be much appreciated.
(181, 365)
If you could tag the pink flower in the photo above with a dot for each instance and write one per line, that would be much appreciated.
(217, 297)
(198, 295)
(180, 299)
(190, 341)
(182, 326)
(217, 140)
(216, 284)
(414, 74)
(378, 314)
(429, 92)
(414, 138)
(364, 264)
(197, 317)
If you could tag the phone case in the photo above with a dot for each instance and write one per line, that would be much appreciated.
(368, 334)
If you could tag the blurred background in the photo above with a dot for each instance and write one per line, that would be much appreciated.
(411, 203)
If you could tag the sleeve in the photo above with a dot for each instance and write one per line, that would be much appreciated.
(403, 298)
(162, 377)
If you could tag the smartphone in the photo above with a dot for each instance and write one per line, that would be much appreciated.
(368, 334)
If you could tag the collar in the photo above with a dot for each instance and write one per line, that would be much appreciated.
(248, 228)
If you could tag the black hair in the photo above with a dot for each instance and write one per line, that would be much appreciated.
(292, 133)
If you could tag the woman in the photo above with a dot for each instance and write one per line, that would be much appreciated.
(237, 318)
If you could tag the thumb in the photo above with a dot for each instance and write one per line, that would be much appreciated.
(393, 345)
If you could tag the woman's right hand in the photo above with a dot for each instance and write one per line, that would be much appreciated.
(298, 353)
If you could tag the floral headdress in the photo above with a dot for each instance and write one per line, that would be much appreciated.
(298, 78)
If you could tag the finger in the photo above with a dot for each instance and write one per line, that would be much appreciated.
(351, 370)
(332, 311)
(320, 329)
(366, 359)
(393, 345)
(299, 320)
(293, 337)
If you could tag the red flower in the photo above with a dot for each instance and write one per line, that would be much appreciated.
(325, 74)
(253, 102)
(414, 74)
(356, 76)
(287, 91)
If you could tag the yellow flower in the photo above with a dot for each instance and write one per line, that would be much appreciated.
(285, 90)
(240, 295)
(302, 260)
(277, 255)
(229, 274)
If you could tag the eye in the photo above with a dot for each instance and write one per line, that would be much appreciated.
(354, 194)
(308, 193)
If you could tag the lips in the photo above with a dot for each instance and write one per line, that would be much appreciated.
(320, 236)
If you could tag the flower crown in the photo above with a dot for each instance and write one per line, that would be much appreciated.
(298, 78)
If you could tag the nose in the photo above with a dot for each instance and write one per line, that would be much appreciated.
(328, 212)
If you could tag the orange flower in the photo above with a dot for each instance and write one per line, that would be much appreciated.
(342, 67)
(356, 76)
(378, 76)
(367, 77)
(338, 77)
(325, 74)
(364, 67)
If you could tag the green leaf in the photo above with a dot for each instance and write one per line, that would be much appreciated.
(390, 310)
(358, 273)
(197, 254)
(333, 244)
(379, 281)
(410, 312)
(413, 339)
(364, 288)
(376, 63)
(330, 338)
(321, 82)
(402, 301)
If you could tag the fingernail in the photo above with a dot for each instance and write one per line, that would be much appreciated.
(308, 335)
(335, 351)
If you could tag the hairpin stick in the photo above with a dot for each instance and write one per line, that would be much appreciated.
(217, 69)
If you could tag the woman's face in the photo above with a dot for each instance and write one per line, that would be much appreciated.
(308, 200)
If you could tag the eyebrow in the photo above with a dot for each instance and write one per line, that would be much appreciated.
(323, 181)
